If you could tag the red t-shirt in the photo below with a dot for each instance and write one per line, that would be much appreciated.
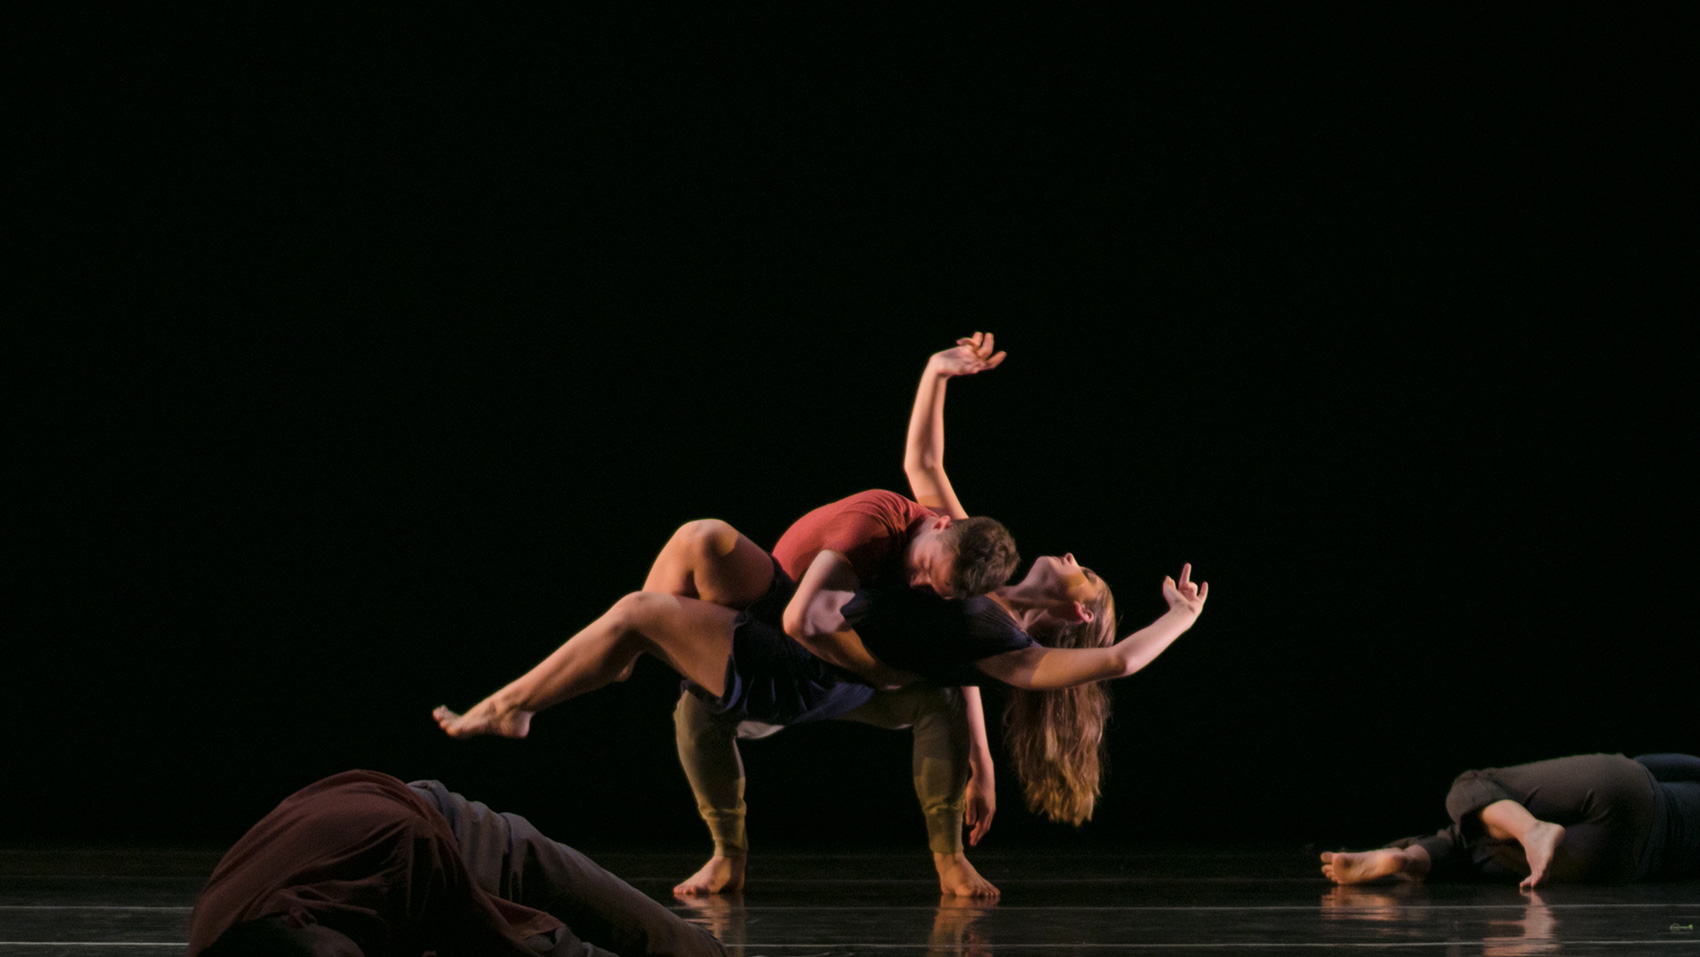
(871, 529)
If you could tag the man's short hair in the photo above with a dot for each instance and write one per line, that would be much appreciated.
(985, 555)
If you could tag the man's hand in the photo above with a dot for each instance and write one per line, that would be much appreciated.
(1185, 595)
(981, 803)
(972, 354)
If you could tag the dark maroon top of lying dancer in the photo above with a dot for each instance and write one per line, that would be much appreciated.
(365, 855)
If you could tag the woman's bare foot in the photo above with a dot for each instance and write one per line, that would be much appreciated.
(721, 875)
(483, 718)
(958, 878)
(1540, 840)
(1355, 867)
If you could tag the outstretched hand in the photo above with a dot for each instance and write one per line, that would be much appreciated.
(1185, 595)
(972, 354)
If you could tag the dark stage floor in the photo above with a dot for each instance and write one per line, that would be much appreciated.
(113, 901)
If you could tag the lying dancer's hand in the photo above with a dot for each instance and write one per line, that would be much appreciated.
(972, 354)
(1185, 595)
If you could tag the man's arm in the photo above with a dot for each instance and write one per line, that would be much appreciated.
(1041, 668)
(923, 451)
(982, 796)
(815, 619)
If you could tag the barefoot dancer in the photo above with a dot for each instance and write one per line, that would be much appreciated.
(1597, 818)
(879, 538)
(952, 762)
(711, 560)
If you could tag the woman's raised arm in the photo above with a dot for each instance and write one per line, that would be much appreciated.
(923, 452)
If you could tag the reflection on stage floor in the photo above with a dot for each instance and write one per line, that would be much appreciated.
(798, 904)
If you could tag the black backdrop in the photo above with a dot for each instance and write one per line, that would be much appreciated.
(363, 363)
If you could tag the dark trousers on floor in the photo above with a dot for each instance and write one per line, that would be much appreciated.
(512, 860)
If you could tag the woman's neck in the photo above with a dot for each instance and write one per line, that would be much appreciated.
(1020, 605)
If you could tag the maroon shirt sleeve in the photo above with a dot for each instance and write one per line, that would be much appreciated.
(364, 854)
(871, 529)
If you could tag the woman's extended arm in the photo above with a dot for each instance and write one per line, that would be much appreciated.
(923, 452)
(1043, 669)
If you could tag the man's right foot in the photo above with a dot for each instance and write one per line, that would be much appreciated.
(958, 878)
(721, 875)
(1343, 867)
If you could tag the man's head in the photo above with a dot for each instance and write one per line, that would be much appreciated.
(960, 558)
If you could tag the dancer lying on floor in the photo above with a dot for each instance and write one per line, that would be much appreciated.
(362, 864)
(1595, 818)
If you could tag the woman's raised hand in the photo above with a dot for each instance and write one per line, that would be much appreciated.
(1185, 595)
(972, 354)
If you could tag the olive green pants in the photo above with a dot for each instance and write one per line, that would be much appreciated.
(708, 750)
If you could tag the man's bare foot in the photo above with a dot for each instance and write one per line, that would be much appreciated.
(958, 878)
(1540, 840)
(1355, 867)
(483, 718)
(721, 875)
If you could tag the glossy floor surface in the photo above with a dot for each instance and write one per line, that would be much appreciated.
(136, 902)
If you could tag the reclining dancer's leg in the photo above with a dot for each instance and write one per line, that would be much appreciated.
(693, 637)
(1582, 818)
(511, 859)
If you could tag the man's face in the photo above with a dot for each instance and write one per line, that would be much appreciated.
(930, 563)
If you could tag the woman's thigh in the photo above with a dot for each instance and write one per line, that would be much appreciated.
(693, 636)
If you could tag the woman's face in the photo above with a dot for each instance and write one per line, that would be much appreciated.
(1065, 580)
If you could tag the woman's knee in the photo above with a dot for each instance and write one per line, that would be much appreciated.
(638, 610)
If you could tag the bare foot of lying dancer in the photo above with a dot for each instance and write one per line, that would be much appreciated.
(1540, 840)
(484, 718)
(958, 878)
(1356, 867)
(1507, 820)
(721, 875)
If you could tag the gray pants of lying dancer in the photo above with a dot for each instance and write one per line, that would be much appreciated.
(1624, 820)
(512, 860)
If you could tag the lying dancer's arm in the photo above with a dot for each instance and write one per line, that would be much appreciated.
(923, 462)
(1041, 668)
(815, 619)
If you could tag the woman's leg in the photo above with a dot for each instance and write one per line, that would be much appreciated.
(693, 637)
(710, 560)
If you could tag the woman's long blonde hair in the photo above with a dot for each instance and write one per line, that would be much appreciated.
(1056, 738)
